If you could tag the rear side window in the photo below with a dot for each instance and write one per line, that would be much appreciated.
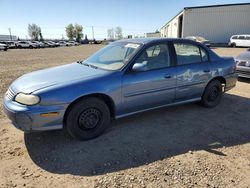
(242, 37)
(189, 54)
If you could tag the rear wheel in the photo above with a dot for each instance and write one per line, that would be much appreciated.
(212, 94)
(233, 45)
(88, 118)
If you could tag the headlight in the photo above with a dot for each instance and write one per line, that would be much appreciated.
(27, 99)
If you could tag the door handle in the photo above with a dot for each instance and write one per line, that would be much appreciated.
(167, 76)
(207, 70)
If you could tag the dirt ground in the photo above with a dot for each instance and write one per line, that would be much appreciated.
(182, 146)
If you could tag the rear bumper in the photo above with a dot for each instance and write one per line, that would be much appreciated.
(231, 80)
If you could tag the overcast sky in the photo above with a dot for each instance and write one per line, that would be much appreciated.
(136, 17)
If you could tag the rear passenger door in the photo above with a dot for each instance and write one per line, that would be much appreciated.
(193, 70)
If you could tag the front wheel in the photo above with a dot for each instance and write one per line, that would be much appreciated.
(88, 118)
(212, 94)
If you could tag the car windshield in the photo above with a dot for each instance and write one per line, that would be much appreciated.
(113, 57)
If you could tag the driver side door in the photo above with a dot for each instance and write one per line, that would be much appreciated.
(152, 86)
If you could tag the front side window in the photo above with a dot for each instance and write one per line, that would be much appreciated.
(113, 56)
(155, 57)
(188, 54)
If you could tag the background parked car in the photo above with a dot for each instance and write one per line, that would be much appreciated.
(243, 64)
(24, 44)
(200, 40)
(62, 43)
(3, 47)
(239, 40)
(49, 44)
(39, 44)
(52, 44)
(35, 44)
(73, 43)
(10, 44)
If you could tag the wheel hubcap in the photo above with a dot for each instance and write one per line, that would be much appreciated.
(213, 94)
(89, 118)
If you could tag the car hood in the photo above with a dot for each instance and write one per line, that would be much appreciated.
(245, 56)
(33, 81)
(205, 41)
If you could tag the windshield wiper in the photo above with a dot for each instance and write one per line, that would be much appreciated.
(89, 65)
(93, 66)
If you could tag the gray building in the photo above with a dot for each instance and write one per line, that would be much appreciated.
(216, 23)
(7, 37)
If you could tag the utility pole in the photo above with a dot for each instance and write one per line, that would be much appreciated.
(10, 33)
(93, 35)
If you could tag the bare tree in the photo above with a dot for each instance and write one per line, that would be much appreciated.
(34, 31)
(118, 33)
(111, 34)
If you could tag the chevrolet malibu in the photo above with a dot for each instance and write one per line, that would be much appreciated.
(123, 78)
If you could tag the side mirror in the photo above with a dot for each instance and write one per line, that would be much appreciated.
(138, 67)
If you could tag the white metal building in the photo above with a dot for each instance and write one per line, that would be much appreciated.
(216, 23)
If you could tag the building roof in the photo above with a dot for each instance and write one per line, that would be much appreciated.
(172, 18)
(220, 5)
(207, 6)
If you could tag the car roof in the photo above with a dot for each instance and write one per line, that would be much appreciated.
(241, 35)
(151, 40)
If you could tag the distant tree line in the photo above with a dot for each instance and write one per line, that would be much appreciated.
(73, 32)
(115, 33)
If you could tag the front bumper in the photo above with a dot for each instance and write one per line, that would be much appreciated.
(29, 118)
(243, 71)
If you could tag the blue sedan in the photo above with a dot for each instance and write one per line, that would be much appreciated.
(123, 78)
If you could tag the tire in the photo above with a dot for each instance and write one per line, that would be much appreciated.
(5, 49)
(30, 47)
(212, 94)
(87, 119)
(233, 45)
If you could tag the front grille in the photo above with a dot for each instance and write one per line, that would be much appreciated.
(243, 63)
(10, 94)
